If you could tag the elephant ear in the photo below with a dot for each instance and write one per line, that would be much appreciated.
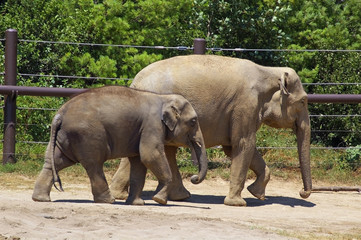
(283, 84)
(170, 116)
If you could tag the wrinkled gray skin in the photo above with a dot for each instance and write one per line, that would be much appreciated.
(113, 122)
(233, 98)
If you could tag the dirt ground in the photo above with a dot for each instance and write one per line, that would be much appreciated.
(283, 215)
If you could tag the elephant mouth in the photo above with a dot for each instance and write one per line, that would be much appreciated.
(193, 143)
(196, 143)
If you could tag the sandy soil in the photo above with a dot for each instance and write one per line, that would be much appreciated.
(283, 215)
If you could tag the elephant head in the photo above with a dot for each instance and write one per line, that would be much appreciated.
(182, 129)
(288, 109)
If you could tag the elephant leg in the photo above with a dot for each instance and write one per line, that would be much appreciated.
(120, 181)
(137, 180)
(237, 181)
(44, 182)
(176, 190)
(160, 168)
(241, 160)
(43, 185)
(259, 167)
(99, 185)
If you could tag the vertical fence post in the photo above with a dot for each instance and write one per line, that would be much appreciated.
(199, 46)
(11, 41)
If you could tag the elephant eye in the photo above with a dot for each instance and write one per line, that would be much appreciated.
(193, 122)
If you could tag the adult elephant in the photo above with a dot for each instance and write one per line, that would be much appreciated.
(232, 98)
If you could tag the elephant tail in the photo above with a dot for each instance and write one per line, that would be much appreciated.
(55, 126)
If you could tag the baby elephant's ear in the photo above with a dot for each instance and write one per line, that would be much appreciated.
(170, 116)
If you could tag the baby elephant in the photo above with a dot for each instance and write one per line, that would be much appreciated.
(113, 122)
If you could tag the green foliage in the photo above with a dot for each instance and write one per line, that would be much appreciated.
(30, 168)
(32, 122)
(109, 22)
(242, 24)
(352, 158)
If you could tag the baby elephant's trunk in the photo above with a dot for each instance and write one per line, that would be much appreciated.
(201, 154)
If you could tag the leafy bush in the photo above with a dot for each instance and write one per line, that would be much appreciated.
(352, 158)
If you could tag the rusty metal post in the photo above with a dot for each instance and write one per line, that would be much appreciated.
(11, 41)
(199, 46)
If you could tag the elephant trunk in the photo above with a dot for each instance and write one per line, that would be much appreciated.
(198, 147)
(303, 133)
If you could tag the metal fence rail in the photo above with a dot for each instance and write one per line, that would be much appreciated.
(67, 92)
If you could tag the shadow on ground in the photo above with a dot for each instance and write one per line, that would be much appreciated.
(253, 202)
(214, 199)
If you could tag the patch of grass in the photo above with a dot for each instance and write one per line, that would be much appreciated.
(218, 165)
(327, 165)
(30, 168)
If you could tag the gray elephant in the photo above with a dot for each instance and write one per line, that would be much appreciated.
(113, 122)
(233, 98)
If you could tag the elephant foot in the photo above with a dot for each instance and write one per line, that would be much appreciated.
(161, 196)
(257, 191)
(43, 185)
(258, 188)
(237, 201)
(105, 197)
(136, 201)
(119, 188)
(178, 193)
(119, 194)
(160, 199)
(41, 198)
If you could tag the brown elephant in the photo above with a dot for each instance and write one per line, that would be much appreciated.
(232, 98)
(113, 122)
